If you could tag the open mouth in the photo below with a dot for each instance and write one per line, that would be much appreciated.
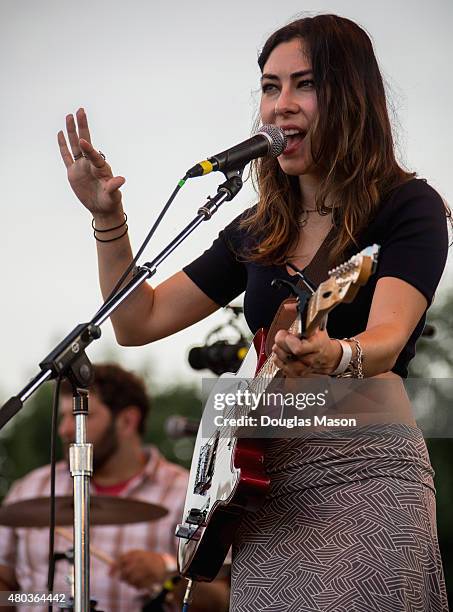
(294, 138)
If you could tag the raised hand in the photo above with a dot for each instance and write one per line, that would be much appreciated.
(89, 175)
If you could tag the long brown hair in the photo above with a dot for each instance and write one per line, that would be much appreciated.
(351, 142)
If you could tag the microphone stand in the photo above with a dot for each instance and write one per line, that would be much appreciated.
(68, 359)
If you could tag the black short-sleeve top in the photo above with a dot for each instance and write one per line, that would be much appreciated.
(410, 226)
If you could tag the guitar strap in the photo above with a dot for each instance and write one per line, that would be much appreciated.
(316, 271)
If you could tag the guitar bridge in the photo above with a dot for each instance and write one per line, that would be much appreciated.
(189, 529)
(196, 516)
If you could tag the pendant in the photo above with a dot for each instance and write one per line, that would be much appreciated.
(303, 219)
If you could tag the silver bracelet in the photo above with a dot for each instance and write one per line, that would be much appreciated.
(355, 367)
(345, 358)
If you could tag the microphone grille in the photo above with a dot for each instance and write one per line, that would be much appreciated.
(278, 139)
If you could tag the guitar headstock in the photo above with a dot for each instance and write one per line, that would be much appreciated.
(341, 286)
(358, 269)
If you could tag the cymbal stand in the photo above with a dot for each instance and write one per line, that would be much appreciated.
(81, 468)
(69, 605)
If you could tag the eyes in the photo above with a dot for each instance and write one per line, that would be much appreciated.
(305, 84)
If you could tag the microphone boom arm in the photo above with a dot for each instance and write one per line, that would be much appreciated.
(68, 357)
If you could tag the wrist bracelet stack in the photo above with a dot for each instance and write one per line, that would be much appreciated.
(110, 229)
(345, 358)
(350, 367)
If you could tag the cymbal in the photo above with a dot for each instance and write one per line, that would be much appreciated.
(104, 510)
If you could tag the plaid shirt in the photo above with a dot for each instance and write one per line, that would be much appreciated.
(26, 550)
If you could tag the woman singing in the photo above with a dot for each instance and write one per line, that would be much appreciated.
(349, 522)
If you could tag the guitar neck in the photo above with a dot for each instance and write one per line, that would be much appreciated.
(341, 286)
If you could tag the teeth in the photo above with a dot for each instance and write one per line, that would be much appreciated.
(291, 132)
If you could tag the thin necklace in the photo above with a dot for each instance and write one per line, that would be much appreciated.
(304, 217)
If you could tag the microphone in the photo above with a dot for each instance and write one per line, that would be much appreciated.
(429, 331)
(269, 140)
(219, 357)
(180, 427)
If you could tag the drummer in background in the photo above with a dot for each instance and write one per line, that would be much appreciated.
(143, 553)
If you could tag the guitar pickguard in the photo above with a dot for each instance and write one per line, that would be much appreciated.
(206, 464)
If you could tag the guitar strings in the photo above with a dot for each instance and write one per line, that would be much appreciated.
(346, 273)
(259, 384)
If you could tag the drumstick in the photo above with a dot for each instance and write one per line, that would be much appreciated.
(96, 552)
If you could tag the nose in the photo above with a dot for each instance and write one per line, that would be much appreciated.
(286, 102)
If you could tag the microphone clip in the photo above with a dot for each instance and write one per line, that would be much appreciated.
(302, 295)
(233, 184)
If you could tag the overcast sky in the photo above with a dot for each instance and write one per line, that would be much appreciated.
(164, 85)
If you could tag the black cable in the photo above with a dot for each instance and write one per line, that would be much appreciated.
(53, 437)
(143, 246)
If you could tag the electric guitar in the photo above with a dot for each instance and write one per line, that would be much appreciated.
(227, 474)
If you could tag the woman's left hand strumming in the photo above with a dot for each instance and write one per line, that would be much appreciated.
(318, 354)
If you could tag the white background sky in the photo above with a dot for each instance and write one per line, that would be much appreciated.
(164, 85)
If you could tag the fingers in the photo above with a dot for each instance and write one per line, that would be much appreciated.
(75, 134)
(295, 357)
(114, 183)
(292, 369)
(301, 348)
(291, 344)
(73, 137)
(288, 360)
(284, 355)
(82, 124)
(131, 569)
(90, 153)
(64, 151)
(124, 565)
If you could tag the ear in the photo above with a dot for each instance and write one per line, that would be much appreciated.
(128, 421)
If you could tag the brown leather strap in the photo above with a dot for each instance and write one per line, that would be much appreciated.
(282, 320)
(316, 271)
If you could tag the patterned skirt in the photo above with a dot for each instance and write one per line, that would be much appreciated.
(349, 525)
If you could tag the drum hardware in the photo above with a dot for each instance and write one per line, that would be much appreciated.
(68, 555)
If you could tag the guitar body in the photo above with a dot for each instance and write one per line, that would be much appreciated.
(236, 482)
(227, 474)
